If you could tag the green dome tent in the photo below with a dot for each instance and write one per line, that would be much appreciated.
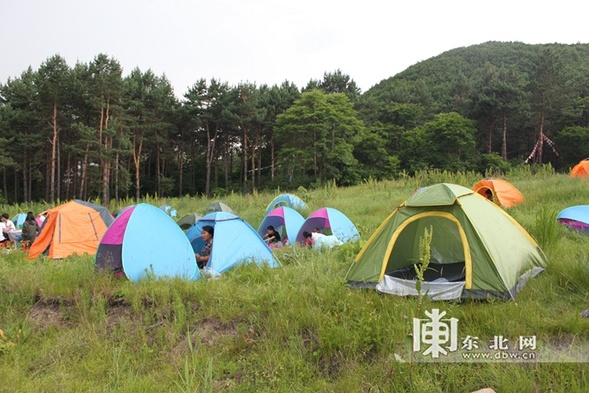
(218, 207)
(477, 250)
(188, 220)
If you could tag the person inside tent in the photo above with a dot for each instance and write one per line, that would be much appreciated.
(202, 258)
(311, 237)
(272, 237)
(308, 241)
(30, 229)
(489, 194)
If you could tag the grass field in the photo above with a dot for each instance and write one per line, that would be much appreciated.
(296, 328)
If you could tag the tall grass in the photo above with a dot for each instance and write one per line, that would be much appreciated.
(294, 328)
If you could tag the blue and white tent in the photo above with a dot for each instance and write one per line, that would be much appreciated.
(288, 200)
(285, 220)
(144, 241)
(234, 242)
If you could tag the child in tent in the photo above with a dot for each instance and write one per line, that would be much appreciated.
(272, 237)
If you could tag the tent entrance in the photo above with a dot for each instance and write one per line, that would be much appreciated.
(445, 276)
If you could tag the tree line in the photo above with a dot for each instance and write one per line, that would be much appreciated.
(89, 132)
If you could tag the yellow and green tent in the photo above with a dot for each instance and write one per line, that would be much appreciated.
(477, 250)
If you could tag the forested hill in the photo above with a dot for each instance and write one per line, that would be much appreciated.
(89, 131)
(529, 104)
(440, 77)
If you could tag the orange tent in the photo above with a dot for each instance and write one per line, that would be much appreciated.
(581, 169)
(75, 227)
(504, 193)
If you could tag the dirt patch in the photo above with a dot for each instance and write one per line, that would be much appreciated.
(119, 314)
(212, 331)
(46, 315)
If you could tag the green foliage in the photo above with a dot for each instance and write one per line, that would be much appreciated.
(492, 165)
(426, 178)
(424, 259)
(329, 125)
(547, 230)
(573, 144)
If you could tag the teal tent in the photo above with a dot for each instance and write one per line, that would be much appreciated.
(288, 200)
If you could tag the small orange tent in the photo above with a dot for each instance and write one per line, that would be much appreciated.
(504, 193)
(581, 169)
(75, 227)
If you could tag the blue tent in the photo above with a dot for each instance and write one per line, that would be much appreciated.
(334, 220)
(575, 217)
(235, 242)
(288, 200)
(285, 220)
(143, 241)
(19, 219)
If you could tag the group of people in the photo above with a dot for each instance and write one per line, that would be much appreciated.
(272, 237)
(8, 231)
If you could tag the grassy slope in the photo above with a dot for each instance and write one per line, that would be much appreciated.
(296, 328)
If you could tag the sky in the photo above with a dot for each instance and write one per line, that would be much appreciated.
(271, 41)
